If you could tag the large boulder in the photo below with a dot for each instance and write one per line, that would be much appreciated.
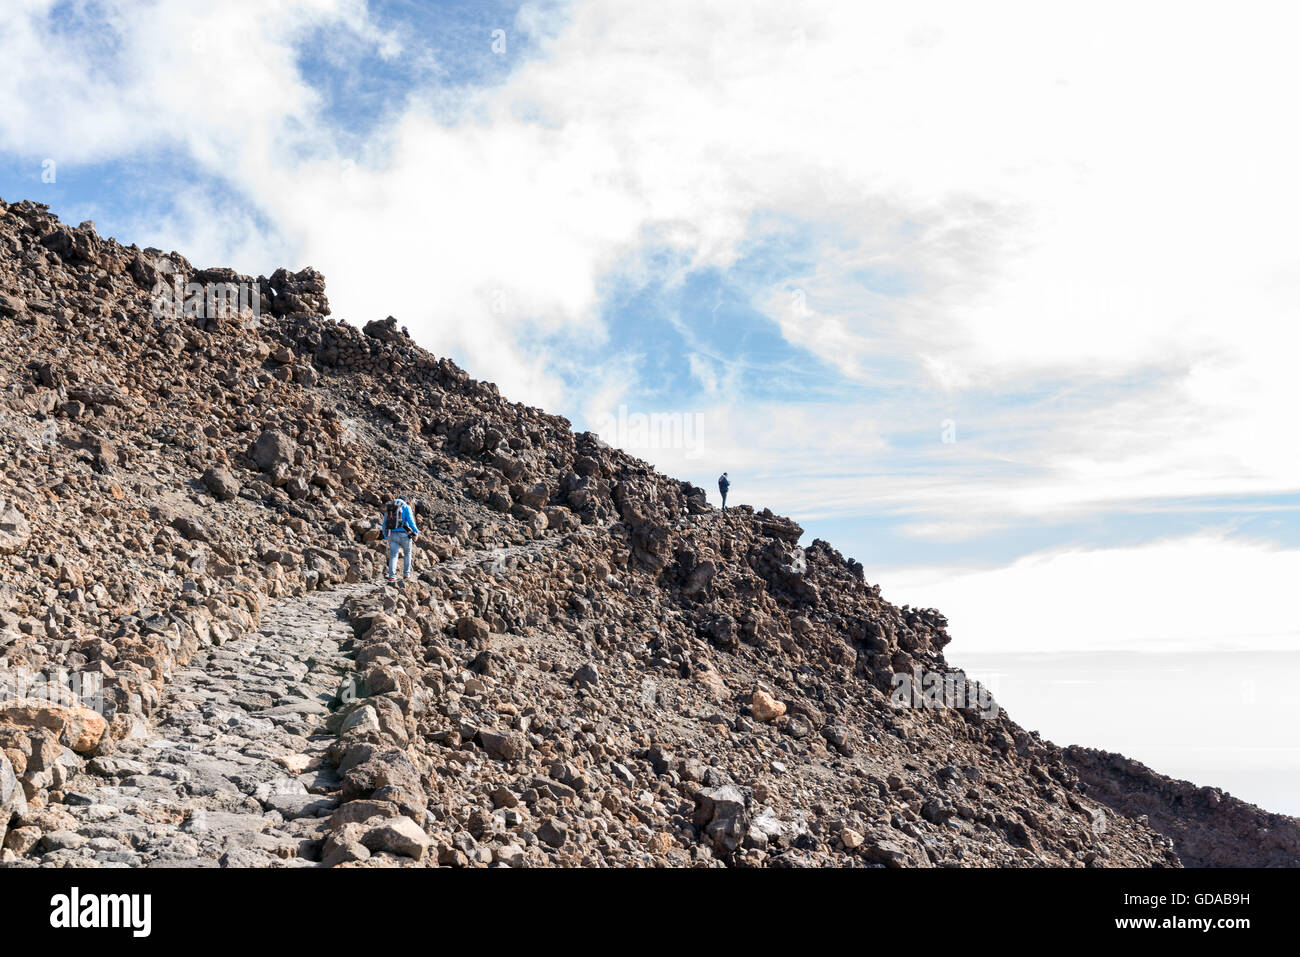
(553, 832)
(221, 482)
(882, 845)
(473, 630)
(765, 707)
(398, 835)
(536, 496)
(502, 745)
(385, 330)
(11, 306)
(721, 816)
(79, 728)
(273, 451)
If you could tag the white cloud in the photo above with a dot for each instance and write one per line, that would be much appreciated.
(1202, 591)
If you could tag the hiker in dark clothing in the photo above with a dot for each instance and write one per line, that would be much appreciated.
(724, 483)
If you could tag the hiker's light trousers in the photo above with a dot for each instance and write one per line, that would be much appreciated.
(399, 541)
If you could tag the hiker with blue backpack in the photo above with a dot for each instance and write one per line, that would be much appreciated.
(400, 531)
(724, 483)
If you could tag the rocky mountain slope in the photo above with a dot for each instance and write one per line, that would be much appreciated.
(594, 667)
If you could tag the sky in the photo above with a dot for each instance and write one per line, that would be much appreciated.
(998, 298)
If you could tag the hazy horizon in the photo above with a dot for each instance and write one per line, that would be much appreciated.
(1216, 719)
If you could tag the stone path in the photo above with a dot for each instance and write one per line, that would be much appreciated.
(234, 773)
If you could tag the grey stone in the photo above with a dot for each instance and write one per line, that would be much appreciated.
(399, 835)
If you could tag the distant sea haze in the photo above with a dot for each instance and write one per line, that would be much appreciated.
(1226, 719)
